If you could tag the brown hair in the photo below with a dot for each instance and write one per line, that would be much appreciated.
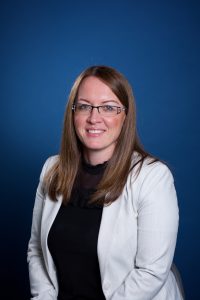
(61, 177)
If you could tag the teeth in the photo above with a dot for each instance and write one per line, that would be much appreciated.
(95, 131)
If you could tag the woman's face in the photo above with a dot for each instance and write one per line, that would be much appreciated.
(98, 134)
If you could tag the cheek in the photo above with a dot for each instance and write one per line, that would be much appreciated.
(78, 123)
(116, 124)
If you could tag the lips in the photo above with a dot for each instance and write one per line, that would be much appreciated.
(95, 131)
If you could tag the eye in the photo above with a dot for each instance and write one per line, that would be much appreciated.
(83, 107)
(108, 108)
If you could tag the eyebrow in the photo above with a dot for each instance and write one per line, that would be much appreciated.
(103, 101)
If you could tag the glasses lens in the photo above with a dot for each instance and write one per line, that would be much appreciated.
(108, 110)
(83, 108)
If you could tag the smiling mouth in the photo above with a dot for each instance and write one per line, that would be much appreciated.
(95, 131)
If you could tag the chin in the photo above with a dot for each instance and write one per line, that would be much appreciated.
(93, 147)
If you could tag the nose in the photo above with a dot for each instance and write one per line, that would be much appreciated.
(94, 116)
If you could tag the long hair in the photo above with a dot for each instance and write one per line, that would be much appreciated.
(60, 178)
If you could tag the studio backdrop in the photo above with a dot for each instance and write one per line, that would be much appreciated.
(44, 46)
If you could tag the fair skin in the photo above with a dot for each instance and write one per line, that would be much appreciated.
(98, 134)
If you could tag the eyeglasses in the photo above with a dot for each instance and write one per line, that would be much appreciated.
(104, 110)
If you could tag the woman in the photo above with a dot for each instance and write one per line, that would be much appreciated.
(105, 218)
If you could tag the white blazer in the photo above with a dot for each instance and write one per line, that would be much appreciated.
(136, 241)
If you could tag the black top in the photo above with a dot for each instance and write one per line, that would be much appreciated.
(72, 240)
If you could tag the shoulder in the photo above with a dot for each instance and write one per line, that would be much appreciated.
(151, 174)
(149, 166)
(154, 194)
(48, 165)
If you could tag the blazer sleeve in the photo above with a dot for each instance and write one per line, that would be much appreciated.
(40, 284)
(157, 227)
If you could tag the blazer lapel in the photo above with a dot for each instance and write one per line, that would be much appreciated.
(106, 232)
(49, 213)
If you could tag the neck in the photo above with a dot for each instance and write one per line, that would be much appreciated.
(96, 158)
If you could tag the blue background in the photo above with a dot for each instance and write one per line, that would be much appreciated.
(44, 46)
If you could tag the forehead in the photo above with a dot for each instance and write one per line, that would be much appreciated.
(92, 88)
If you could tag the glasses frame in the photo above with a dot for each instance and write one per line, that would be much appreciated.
(119, 108)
